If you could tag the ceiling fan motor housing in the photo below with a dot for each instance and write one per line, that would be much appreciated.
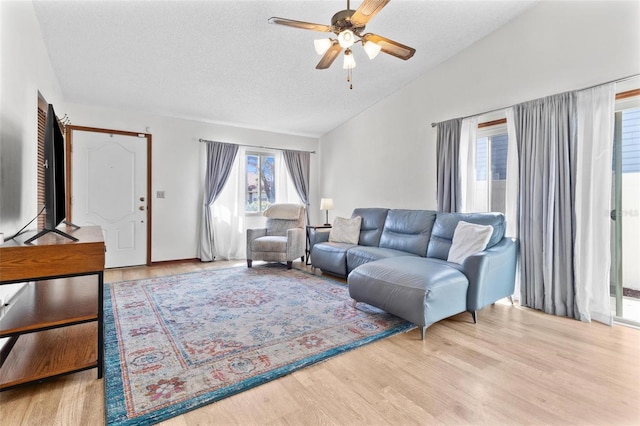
(342, 21)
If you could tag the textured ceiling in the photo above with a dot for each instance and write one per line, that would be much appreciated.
(221, 62)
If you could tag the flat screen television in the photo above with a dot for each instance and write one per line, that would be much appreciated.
(54, 179)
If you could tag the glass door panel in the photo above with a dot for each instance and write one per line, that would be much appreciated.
(625, 276)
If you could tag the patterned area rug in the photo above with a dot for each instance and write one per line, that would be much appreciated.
(177, 343)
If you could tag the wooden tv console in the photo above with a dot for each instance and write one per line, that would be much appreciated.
(55, 326)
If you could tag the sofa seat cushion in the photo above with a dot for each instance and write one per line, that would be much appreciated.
(413, 288)
(360, 255)
(269, 243)
(331, 257)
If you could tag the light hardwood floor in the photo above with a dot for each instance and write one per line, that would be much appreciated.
(516, 366)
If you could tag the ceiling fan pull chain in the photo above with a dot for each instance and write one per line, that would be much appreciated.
(350, 78)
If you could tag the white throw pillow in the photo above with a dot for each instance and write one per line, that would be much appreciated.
(345, 230)
(468, 239)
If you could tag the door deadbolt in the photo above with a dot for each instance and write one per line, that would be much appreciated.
(141, 208)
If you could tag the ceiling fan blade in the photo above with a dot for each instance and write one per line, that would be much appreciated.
(390, 47)
(329, 56)
(367, 10)
(300, 24)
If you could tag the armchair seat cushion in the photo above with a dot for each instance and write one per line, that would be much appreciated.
(270, 243)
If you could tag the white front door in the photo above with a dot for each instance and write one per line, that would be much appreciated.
(109, 189)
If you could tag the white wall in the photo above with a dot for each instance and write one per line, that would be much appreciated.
(551, 48)
(25, 69)
(176, 168)
(21, 77)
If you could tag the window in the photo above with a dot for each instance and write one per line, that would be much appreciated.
(630, 140)
(491, 169)
(260, 182)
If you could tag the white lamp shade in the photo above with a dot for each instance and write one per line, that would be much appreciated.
(322, 45)
(346, 39)
(349, 62)
(372, 49)
(326, 204)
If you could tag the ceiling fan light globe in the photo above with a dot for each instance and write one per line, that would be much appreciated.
(349, 61)
(322, 45)
(346, 39)
(372, 49)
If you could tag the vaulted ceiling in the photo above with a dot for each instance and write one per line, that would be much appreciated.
(220, 61)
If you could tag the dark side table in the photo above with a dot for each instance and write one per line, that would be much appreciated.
(307, 243)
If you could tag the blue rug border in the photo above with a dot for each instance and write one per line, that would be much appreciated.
(113, 371)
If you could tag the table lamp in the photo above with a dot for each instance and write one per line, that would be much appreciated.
(326, 204)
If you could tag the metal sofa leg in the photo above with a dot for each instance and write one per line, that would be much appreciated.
(423, 330)
(474, 316)
(249, 261)
(511, 299)
(289, 263)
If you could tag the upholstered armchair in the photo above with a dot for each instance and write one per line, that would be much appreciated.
(282, 239)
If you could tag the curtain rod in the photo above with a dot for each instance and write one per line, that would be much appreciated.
(259, 146)
(619, 80)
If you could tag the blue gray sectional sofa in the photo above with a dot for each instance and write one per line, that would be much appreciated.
(400, 263)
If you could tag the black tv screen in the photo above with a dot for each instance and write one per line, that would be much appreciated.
(54, 171)
(54, 179)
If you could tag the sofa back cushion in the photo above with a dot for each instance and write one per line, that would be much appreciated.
(408, 230)
(445, 226)
(371, 225)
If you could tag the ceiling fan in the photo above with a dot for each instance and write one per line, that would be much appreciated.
(349, 26)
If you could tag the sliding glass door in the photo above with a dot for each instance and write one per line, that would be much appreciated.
(625, 214)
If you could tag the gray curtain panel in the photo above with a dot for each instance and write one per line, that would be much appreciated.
(546, 138)
(448, 170)
(298, 165)
(220, 158)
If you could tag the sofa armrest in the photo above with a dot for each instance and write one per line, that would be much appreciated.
(318, 236)
(491, 274)
(252, 234)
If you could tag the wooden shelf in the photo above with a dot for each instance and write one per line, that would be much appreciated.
(52, 303)
(50, 353)
(55, 326)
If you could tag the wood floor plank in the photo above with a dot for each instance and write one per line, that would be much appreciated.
(516, 366)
